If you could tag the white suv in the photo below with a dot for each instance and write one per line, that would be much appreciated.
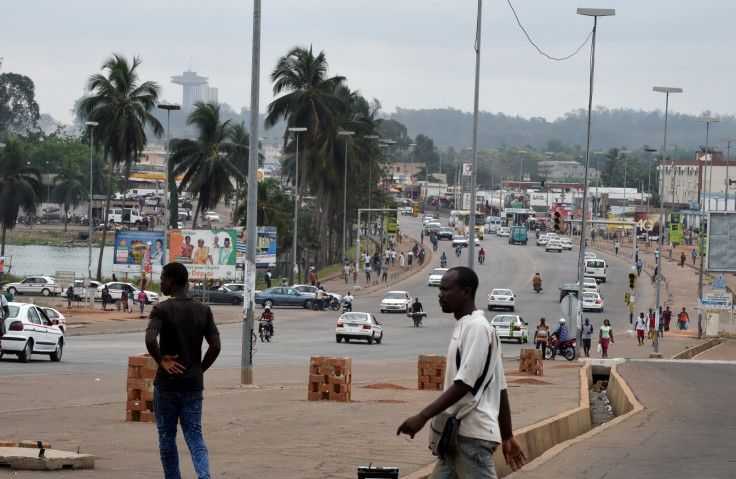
(595, 268)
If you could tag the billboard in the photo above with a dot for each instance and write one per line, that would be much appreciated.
(675, 228)
(137, 251)
(265, 246)
(721, 242)
(564, 208)
(205, 253)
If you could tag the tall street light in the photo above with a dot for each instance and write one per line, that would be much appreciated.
(521, 165)
(91, 125)
(597, 202)
(474, 170)
(666, 91)
(595, 13)
(169, 109)
(701, 246)
(294, 269)
(626, 162)
(649, 177)
(370, 190)
(411, 173)
(728, 180)
(674, 176)
(346, 134)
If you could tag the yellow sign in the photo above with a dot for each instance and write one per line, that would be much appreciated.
(631, 307)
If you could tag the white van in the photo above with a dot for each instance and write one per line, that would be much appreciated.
(132, 215)
(452, 220)
(595, 268)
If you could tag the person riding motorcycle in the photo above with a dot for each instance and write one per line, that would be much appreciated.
(562, 337)
(443, 259)
(537, 282)
(481, 255)
(458, 249)
(269, 317)
(348, 299)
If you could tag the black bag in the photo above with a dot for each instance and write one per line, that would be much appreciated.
(448, 439)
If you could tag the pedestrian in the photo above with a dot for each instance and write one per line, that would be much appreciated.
(346, 272)
(182, 324)
(540, 339)
(475, 390)
(605, 336)
(587, 334)
(4, 314)
(683, 319)
(387, 256)
(105, 297)
(667, 318)
(656, 254)
(563, 336)
(660, 323)
(114, 278)
(401, 260)
(131, 298)
(321, 297)
(124, 299)
(411, 256)
(421, 257)
(384, 277)
(142, 298)
(695, 255)
(393, 256)
(312, 276)
(268, 278)
(638, 267)
(69, 297)
(652, 328)
(616, 245)
(368, 272)
(637, 254)
(641, 327)
(682, 259)
(421, 236)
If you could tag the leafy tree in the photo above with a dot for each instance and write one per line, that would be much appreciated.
(204, 162)
(19, 184)
(70, 189)
(122, 105)
(395, 130)
(19, 113)
(272, 206)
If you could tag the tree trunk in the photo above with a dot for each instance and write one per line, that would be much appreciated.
(3, 246)
(104, 223)
(66, 219)
(197, 210)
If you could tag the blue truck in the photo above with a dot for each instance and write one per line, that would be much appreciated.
(518, 235)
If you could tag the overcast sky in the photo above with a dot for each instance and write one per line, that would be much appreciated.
(412, 54)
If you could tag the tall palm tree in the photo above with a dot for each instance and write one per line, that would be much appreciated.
(273, 206)
(122, 105)
(204, 162)
(70, 186)
(19, 184)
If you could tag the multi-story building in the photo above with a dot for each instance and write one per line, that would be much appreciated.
(686, 182)
(196, 88)
(557, 170)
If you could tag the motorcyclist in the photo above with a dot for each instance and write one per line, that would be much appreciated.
(269, 317)
(537, 282)
(443, 259)
(458, 249)
(562, 337)
(481, 255)
(348, 299)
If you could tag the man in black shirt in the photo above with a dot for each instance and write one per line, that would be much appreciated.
(417, 306)
(182, 324)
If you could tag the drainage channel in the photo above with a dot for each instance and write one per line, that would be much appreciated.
(601, 411)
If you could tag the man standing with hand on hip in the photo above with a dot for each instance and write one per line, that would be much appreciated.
(475, 390)
(182, 324)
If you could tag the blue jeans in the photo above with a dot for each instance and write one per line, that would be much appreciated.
(472, 459)
(185, 406)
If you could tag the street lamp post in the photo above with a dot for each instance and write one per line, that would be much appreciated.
(597, 198)
(91, 125)
(296, 130)
(666, 91)
(411, 173)
(701, 246)
(595, 13)
(626, 162)
(649, 176)
(168, 109)
(521, 165)
(370, 192)
(347, 135)
(674, 175)
(728, 159)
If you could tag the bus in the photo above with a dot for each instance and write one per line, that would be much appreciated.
(463, 223)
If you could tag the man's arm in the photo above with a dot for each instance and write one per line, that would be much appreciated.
(168, 363)
(415, 423)
(213, 350)
(512, 451)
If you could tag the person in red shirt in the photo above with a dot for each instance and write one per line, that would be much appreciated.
(667, 318)
(652, 331)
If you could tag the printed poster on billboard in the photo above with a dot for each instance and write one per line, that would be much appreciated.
(265, 246)
(137, 251)
(205, 253)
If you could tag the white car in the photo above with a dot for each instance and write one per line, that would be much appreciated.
(505, 231)
(509, 326)
(590, 284)
(566, 243)
(29, 331)
(428, 219)
(116, 291)
(589, 255)
(212, 216)
(552, 235)
(44, 285)
(459, 240)
(396, 301)
(553, 245)
(542, 240)
(592, 301)
(355, 325)
(436, 276)
(501, 298)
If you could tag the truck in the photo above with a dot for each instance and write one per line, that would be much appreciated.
(518, 235)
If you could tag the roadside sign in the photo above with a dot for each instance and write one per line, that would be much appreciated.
(64, 279)
(718, 283)
(718, 301)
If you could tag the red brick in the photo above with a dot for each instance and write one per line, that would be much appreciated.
(33, 444)
(438, 380)
(318, 360)
(324, 388)
(317, 379)
(342, 397)
(132, 416)
(138, 360)
(136, 383)
(134, 394)
(148, 373)
(342, 362)
(134, 372)
(6, 443)
(424, 379)
(326, 370)
(311, 396)
(138, 406)
(336, 380)
(147, 396)
(148, 416)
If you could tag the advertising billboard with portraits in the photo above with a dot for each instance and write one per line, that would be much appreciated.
(205, 253)
(137, 251)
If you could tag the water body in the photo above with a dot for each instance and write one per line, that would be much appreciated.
(46, 260)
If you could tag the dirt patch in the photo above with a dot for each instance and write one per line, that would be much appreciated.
(383, 386)
(535, 382)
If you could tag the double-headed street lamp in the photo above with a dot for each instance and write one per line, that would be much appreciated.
(346, 134)
(169, 109)
(91, 125)
(296, 130)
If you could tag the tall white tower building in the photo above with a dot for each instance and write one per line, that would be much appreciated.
(196, 89)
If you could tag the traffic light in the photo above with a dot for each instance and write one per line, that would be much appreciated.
(558, 221)
(632, 280)
(208, 281)
(541, 186)
(627, 297)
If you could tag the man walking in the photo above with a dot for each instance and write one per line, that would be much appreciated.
(346, 271)
(268, 278)
(384, 269)
(182, 324)
(641, 327)
(695, 255)
(475, 390)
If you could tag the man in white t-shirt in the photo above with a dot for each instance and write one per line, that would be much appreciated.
(475, 389)
(4, 312)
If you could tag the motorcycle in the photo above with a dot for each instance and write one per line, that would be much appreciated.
(443, 262)
(417, 317)
(568, 350)
(264, 330)
(330, 303)
(346, 307)
(458, 252)
(481, 258)
(538, 288)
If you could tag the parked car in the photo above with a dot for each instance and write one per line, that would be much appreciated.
(44, 285)
(235, 287)
(396, 301)
(217, 294)
(355, 325)
(56, 318)
(512, 327)
(504, 231)
(592, 301)
(282, 296)
(553, 245)
(444, 232)
(212, 216)
(436, 276)
(29, 331)
(116, 291)
(501, 298)
(80, 290)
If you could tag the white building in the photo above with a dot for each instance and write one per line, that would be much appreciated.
(196, 88)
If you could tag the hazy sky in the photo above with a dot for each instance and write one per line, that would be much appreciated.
(406, 53)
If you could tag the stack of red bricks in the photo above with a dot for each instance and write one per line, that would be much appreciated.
(141, 371)
(431, 372)
(530, 361)
(329, 379)
(29, 444)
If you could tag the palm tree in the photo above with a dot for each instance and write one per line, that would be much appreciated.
(273, 206)
(70, 186)
(122, 105)
(204, 162)
(19, 184)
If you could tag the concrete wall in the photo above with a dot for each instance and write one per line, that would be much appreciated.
(694, 351)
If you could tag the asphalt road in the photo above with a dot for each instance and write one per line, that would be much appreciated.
(302, 333)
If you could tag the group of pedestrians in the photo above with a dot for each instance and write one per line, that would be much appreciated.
(542, 336)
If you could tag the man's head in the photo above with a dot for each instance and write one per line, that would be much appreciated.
(562, 321)
(227, 242)
(187, 239)
(587, 321)
(542, 321)
(457, 291)
(173, 275)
